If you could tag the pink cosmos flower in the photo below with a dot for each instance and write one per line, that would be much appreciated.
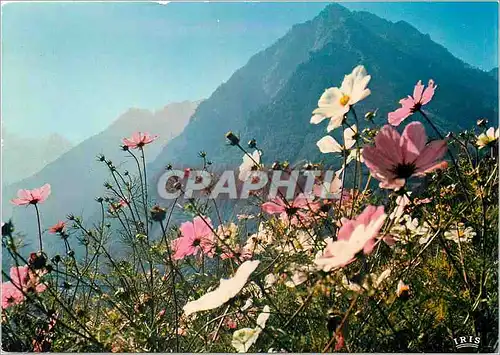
(22, 279)
(395, 158)
(57, 228)
(32, 197)
(196, 237)
(296, 212)
(353, 237)
(26, 279)
(237, 252)
(11, 295)
(410, 104)
(138, 140)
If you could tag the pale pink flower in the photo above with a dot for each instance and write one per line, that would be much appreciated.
(236, 252)
(116, 206)
(395, 157)
(57, 228)
(138, 140)
(26, 279)
(32, 197)
(11, 295)
(23, 280)
(196, 237)
(410, 104)
(353, 237)
(296, 212)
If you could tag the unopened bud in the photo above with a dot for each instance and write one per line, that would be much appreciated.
(482, 122)
(233, 140)
(252, 143)
(370, 115)
(158, 213)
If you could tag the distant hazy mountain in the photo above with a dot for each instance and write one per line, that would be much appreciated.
(77, 178)
(271, 98)
(23, 157)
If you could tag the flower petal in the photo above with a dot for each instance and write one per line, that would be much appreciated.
(328, 144)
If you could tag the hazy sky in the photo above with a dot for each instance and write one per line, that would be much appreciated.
(73, 68)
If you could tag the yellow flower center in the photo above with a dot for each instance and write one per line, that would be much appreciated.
(344, 100)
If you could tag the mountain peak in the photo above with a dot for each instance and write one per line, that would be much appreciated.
(333, 10)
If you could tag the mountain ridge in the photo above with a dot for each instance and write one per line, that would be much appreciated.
(330, 37)
(77, 178)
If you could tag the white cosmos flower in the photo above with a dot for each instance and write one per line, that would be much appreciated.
(257, 241)
(370, 283)
(328, 188)
(407, 228)
(227, 289)
(299, 276)
(247, 305)
(401, 203)
(249, 165)
(328, 144)
(355, 154)
(244, 338)
(336, 102)
(460, 234)
(485, 139)
(270, 280)
(300, 241)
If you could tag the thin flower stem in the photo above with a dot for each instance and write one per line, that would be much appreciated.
(145, 190)
(339, 328)
(39, 227)
(140, 176)
(450, 154)
(173, 287)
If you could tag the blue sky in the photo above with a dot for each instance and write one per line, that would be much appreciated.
(73, 68)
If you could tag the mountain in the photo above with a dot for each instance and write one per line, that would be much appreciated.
(23, 157)
(494, 73)
(77, 177)
(271, 98)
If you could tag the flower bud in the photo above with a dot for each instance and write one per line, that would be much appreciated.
(158, 213)
(7, 229)
(403, 290)
(233, 140)
(370, 115)
(276, 165)
(252, 143)
(37, 260)
(482, 122)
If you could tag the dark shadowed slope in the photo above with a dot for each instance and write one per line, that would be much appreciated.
(272, 97)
